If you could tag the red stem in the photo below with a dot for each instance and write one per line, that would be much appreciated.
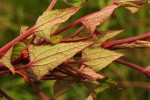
(134, 66)
(32, 39)
(77, 31)
(52, 4)
(5, 95)
(18, 68)
(5, 48)
(38, 90)
(68, 26)
(126, 40)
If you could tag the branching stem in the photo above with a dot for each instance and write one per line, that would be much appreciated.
(52, 4)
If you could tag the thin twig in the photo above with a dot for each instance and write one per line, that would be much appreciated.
(32, 39)
(77, 31)
(18, 68)
(20, 38)
(5, 95)
(74, 69)
(52, 4)
(67, 27)
(126, 40)
(38, 90)
(134, 66)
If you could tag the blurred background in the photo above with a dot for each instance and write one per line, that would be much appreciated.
(135, 86)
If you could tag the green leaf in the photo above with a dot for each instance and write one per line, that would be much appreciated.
(74, 2)
(17, 49)
(105, 36)
(61, 85)
(93, 20)
(45, 58)
(23, 29)
(100, 85)
(49, 21)
(131, 6)
(6, 60)
(104, 84)
(90, 74)
(98, 58)
(55, 39)
(132, 9)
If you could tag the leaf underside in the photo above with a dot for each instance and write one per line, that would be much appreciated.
(45, 58)
(98, 58)
(17, 49)
(93, 20)
(49, 22)
(90, 74)
(6, 60)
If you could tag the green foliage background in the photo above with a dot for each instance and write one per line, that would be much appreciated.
(135, 86)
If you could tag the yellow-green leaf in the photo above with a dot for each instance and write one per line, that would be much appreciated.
(74, 2)
(131, 6)
(132, 9)
(93, 20)
(6, 60)
(23, 29)
(17, 49)
(98, 58)
(55, 39)
(104, 84)
(45, 58)
(63, 84)
(49, 21)
(104, 37)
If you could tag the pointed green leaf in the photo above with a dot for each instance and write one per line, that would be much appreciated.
(90, 74)
(45, 58)
(6, 60)
(17, 49)
(63, 84)
(105, 84)
(74, 2)
(98, 58)
(104, 37)
(49, 22)
(93, 20)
